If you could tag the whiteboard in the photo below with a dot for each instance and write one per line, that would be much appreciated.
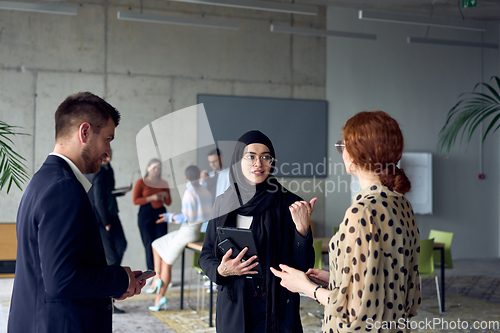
(418, 169)
(298, 129)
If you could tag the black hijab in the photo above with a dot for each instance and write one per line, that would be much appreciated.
(272, 224)
(252, 198)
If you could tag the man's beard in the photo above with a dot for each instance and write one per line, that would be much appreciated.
(91, 166)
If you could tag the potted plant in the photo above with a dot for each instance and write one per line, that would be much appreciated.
(471, 110)
(12, 168)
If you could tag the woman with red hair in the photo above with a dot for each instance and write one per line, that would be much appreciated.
(372, 281)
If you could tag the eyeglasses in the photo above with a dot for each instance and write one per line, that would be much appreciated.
(340, 146)
(251, 159)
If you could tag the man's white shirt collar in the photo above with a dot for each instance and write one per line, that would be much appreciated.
(78, 174)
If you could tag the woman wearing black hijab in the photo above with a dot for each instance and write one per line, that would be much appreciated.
(279, 221)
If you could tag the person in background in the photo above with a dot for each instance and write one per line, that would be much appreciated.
(373, 277)
(217, 180)
(279, 221)
(105, 208)
(196, 208)
(151, 193)
(62, 281)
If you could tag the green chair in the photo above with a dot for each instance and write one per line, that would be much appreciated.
(426, 264)
(335, 230)
(445, 238)
(318, 255)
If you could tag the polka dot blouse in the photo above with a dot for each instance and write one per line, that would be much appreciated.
(374, 265)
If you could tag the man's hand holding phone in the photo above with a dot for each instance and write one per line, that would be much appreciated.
(137, 282)
(145, 275)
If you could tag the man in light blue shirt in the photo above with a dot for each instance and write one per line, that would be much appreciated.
(217, 180)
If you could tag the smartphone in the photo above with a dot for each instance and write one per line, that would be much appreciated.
(145, 275)
(322, 283)
(227, 244)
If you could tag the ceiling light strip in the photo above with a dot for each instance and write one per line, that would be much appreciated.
(260, 5)
(38, 8)
(445, 42)
(320, 33)
(420, 20)
(176, 20)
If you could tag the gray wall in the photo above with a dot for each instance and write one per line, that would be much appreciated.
(145, 70)
(417, 85)
(148, 70)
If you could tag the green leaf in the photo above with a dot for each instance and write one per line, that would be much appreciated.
(472, 109)
(493, 122)
(12, 167)
(487, 112)
(492, 90)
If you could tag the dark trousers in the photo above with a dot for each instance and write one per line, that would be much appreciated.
(113, 241)
(150, 230)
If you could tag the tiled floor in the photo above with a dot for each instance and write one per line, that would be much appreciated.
(477, 283)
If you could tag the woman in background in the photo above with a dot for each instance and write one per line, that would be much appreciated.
(151, 193)
(373, 277)
(196, 208)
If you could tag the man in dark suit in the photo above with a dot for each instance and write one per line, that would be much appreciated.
(105, 207)
(62, 282)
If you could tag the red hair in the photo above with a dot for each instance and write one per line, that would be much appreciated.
(374, 141)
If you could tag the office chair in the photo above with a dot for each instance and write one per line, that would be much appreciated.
(445, 238)
(426, 265)
(201, 277)
(318, 255)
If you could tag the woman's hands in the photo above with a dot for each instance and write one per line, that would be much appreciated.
(161, 219)
(301, 212)
(319, 276)
(235, 266)
(160, 196)
(294, 280)
(298, 282)
(164, 195)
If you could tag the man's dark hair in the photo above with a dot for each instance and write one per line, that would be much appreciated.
(192, 173)
(84, 107)
(215, 151)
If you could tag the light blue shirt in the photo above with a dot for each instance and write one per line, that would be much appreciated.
(222, 182)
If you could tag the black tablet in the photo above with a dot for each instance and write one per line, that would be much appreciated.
(121, 190)
(241, 238)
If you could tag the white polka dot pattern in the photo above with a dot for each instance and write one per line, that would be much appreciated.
(373, 264)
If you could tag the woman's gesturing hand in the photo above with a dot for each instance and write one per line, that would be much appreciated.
(292, 279)
(236, 266)
(301, 212)
(161, 219)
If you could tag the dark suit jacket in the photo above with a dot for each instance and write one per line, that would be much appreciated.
(101, 199)
(212, 185)
(62, 282)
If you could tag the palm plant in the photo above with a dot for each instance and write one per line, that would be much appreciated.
(12, 168)
(470, 111)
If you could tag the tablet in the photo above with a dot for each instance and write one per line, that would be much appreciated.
(241, 238)
(121, 190)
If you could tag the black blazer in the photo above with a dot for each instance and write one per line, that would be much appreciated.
(62, 282)
(100, 195)
(296, 251)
